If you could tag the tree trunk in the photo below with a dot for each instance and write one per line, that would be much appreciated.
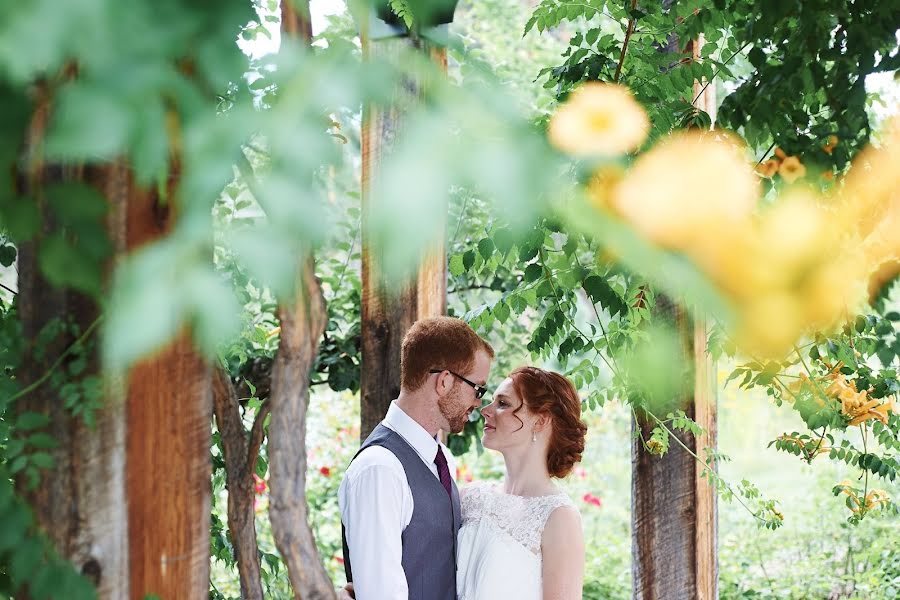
(240, 452)
(303, 321)
(80, 501)
(302, 325)
(387, 314)
(169, 402)
(674, 512)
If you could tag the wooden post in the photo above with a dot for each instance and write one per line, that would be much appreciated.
(128, 500)
(705, 407)
(674, 512)
(169, 405)
(80, 501)
(388, 313)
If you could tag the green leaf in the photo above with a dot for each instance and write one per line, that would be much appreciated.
(41, 440)
(468, 259)
(7, 255)
(20, 217)
(532, 272)
(601, 292)
(486, 248)
(31, 420)
(501, 311)
(64, 266)
(42, 460)
(456, 266)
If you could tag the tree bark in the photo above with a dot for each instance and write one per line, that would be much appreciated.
(674, 512)
(302, 325)
(303, 321)
(386, 313)
(241, 451)
(80, 501)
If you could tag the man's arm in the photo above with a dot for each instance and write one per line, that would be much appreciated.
(372, 510)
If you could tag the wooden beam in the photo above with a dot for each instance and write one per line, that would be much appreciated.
(705, 407)
(674, 509)
(387, 313)
(80, 501)
(663, 507)
(169, 404)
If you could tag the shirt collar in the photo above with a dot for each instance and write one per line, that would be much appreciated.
(414, 434)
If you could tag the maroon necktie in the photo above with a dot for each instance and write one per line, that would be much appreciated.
(443, 471)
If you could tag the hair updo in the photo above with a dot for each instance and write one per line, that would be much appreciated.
(551, 394)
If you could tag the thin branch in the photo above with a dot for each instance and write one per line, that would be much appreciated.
(257, 435)
(628, 33)
(9, 289)
(57, 362)
(349, 255)
(239, 483)
(714, 75)
(467, 288)
(462, 213)
(703, 463)
(765, 154)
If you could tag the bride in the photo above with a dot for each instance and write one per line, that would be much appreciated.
(522, 538)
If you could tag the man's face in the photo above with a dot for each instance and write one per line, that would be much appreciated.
(458, 404)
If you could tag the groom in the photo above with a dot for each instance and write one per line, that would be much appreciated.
(399, 504)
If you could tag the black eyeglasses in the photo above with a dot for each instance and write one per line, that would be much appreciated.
(480, 390)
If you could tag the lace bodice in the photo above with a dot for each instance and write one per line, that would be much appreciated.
(521, 518)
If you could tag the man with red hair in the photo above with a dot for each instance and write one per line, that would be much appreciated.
(399, 504)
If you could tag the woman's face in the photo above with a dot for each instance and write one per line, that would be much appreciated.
(502, 428)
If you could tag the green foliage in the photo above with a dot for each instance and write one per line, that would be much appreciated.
(27, 558)
(796, 71)
(828, 376)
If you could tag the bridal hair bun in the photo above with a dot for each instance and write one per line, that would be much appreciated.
(551, 394)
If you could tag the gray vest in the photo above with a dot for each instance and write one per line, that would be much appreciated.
(429, 541)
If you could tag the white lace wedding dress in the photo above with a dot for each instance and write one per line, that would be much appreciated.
(500, 543)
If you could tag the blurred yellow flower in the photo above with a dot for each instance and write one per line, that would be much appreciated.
(791, 169)
(834, 290)
(880, 276)
(687, 186)
(830, 145)
(602, 186)
(769, 325)
(599, 119)
(730, 257)
(871, 187)
(768, 168)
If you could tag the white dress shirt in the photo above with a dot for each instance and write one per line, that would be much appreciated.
(376, 506)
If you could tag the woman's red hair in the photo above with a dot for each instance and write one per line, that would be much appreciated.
(550, 394)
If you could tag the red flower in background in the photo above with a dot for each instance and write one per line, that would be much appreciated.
(463, 473)
(592, 499)
(580, 472)
(325, 471)
(259, 484)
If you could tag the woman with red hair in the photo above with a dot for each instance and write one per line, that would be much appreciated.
(522, 538)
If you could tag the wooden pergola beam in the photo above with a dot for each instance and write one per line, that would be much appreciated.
(674, 508)
(386, 312)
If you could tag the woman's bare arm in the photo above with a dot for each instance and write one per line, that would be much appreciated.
(562, 546)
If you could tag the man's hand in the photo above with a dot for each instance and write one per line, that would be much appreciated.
(346, 593)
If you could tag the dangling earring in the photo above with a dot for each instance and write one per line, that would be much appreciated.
(533, 437)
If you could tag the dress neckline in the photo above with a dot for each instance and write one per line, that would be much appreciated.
(498, 487)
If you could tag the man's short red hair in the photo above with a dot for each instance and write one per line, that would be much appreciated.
(438, 343)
